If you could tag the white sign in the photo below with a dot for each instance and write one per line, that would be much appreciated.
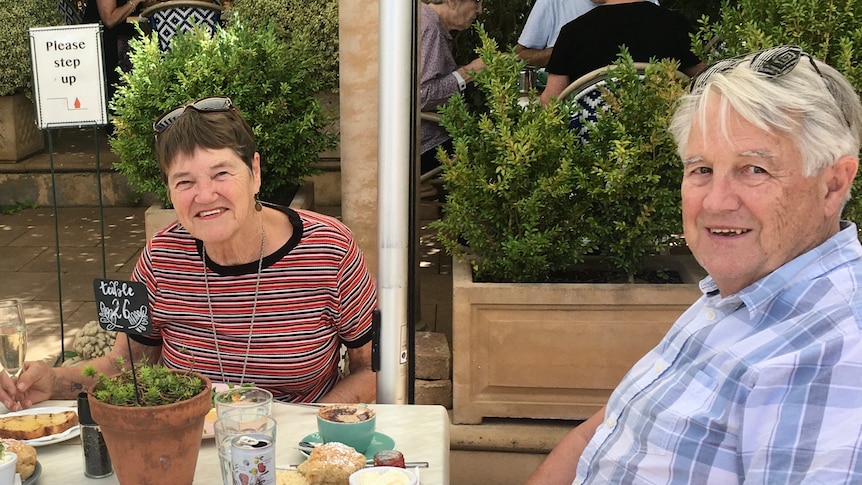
(68, 75)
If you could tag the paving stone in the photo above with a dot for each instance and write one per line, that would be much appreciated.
(433, 392)
(433, 358)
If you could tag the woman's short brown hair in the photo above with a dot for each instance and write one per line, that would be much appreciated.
(212, 130)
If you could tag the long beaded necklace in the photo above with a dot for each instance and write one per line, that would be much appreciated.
(253, 309)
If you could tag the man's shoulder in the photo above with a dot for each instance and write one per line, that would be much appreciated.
(830, 274)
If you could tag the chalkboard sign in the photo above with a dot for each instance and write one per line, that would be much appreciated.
(122, 306)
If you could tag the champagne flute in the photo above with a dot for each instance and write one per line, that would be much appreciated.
(13, 337)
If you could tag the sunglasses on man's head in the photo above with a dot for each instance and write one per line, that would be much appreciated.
(773, 62)
(205, 105)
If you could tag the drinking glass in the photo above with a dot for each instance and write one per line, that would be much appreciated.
(254, 400)
(13, 336)
(234, 423)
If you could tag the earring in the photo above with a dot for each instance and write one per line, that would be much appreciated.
(257, 205)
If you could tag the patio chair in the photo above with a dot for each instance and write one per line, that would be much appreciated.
(72, 11)
(168, 18)
(431, 182)
(585, 95)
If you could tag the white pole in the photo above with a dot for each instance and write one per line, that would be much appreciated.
(396, 130)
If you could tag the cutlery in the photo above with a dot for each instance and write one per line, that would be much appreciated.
(307, 446)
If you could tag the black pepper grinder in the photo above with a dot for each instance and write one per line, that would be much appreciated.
(97, 462)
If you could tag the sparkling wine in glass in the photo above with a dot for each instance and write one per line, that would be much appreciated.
(13, 336)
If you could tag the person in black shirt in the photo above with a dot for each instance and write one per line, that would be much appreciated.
(593, 40)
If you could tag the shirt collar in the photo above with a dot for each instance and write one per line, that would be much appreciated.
(838, 250)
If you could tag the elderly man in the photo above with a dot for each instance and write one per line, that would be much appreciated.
(759, 381)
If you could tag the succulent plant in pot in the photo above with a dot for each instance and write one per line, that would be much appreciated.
(151, 421)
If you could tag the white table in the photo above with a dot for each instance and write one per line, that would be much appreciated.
(421, 433)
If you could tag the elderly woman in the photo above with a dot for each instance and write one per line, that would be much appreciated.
(241, 291)
(441, 78)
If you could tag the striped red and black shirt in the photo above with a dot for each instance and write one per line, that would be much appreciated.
(315, 294)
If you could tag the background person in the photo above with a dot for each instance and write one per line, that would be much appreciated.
(543, 26)
(240, 291)
(441, 77)
(593, 40)
(758, 381)
(116, 34)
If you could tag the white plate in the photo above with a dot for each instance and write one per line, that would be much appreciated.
(54, 438)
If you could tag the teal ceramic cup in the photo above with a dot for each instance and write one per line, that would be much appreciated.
(351, 424)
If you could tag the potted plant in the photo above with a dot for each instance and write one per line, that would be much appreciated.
(270, 80)
(20, 135)
(152, 422)
(829, 31)
(602, 210)
(315, 20)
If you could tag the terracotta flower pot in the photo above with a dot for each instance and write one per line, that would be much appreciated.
(156, 444)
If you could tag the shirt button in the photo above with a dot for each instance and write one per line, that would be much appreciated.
(610, 422)
(710, 314)
(659, 367)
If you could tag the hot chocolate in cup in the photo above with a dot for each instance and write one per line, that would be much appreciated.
(351, 424)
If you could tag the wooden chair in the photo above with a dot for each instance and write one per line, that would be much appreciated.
(585, 95)
(168, 18)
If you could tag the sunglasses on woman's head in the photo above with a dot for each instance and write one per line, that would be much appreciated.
(205, 105)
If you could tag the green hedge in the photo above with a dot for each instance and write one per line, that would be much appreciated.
(271, 81)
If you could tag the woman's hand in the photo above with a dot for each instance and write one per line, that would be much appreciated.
(35, 384)
(467, 72)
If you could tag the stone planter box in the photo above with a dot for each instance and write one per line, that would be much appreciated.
(156, 216)
(554, 351)
(19, 135)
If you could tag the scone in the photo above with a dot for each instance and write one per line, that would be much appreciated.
(32, 426)
(289, 477)
(331, 464)
(26, 464)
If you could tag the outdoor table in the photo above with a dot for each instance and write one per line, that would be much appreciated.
(420, 432)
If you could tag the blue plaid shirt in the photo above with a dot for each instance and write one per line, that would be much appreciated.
(762, 387)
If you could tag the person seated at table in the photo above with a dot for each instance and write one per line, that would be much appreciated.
(593, 40)
(543, 25)
(239, 290)
(116, 33)
(759, 380)
(441, 77)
